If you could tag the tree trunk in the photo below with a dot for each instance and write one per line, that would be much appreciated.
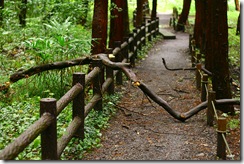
(139, 13)
(154, 10)
(1, 12)
(22, 14)
(184, 15)
(126, 20)
(99, 26)
(218, 50)
(238, 26)
(237, 5)
(116, 22)
(200, 24)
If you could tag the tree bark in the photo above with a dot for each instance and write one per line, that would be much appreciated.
(217, 50)
(116, 22)
(99, 26)
(22, 14)
(126, 21)
(184, 15)
(139, 13)
(154, 10)
(237, 5)
(200, 24)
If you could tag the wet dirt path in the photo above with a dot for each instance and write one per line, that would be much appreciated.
(142, 130)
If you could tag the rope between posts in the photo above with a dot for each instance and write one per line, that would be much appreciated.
(215, 112)
(206, 88)
(227, 145)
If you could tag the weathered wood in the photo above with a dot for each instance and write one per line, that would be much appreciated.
(46, 67)
(78, 107)
(49, 135)
(20, 143)
(210, 110)
(204, 87)
(97, 83)
(92, 103)
(68, 97)
(92, 74)
(115, 65)
(198, 75)
(221, 147)
(69, 133)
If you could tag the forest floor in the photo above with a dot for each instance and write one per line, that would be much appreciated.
(142, 130)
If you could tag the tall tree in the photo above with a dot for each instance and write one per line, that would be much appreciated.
(200, 24)
(184, 15)
(116, 22)
(139, 13)
(154, 9)
(217, 50)
(99, 26)
(22, 14)
(126, 21)
(237, 4)
(1, 12)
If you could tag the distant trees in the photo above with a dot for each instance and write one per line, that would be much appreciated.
(184, 15)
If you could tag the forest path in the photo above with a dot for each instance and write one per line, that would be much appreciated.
(142, 130)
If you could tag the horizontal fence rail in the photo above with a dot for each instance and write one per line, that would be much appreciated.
(46, 126)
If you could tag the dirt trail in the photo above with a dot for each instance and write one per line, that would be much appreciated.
(142, 130)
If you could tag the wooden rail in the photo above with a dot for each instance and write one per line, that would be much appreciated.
(46, 126)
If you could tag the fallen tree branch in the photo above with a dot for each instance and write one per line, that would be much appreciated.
(64, 64)
(46, 67)
(175, 69)
(180, 116)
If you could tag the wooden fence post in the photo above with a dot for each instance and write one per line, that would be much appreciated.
(110, 74)
(49, 136)
(154, 27)
(198, 76)
(79, 103)
(221, 147)
(126, 49)
(132, 49)
(118, 58)
(143, 36)
(135, 42)
(149, 30)
(139, 38)
(204, 87)
(97, 83)
(193, 52)
(157, 25)
(210, 109)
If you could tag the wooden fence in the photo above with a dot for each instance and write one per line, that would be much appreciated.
(103, 81)
(207, 94)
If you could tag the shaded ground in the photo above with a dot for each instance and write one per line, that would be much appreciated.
(142, 130)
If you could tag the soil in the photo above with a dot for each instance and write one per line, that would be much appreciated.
(142, 130)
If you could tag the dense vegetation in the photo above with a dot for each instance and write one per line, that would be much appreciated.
(56, 31)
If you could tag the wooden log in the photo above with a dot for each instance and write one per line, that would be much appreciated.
(221, 147)
(49, 135)
(204, 87)
(68, 97)
(46, 67)
(210, 110)
(78, 107)
(67, 136)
